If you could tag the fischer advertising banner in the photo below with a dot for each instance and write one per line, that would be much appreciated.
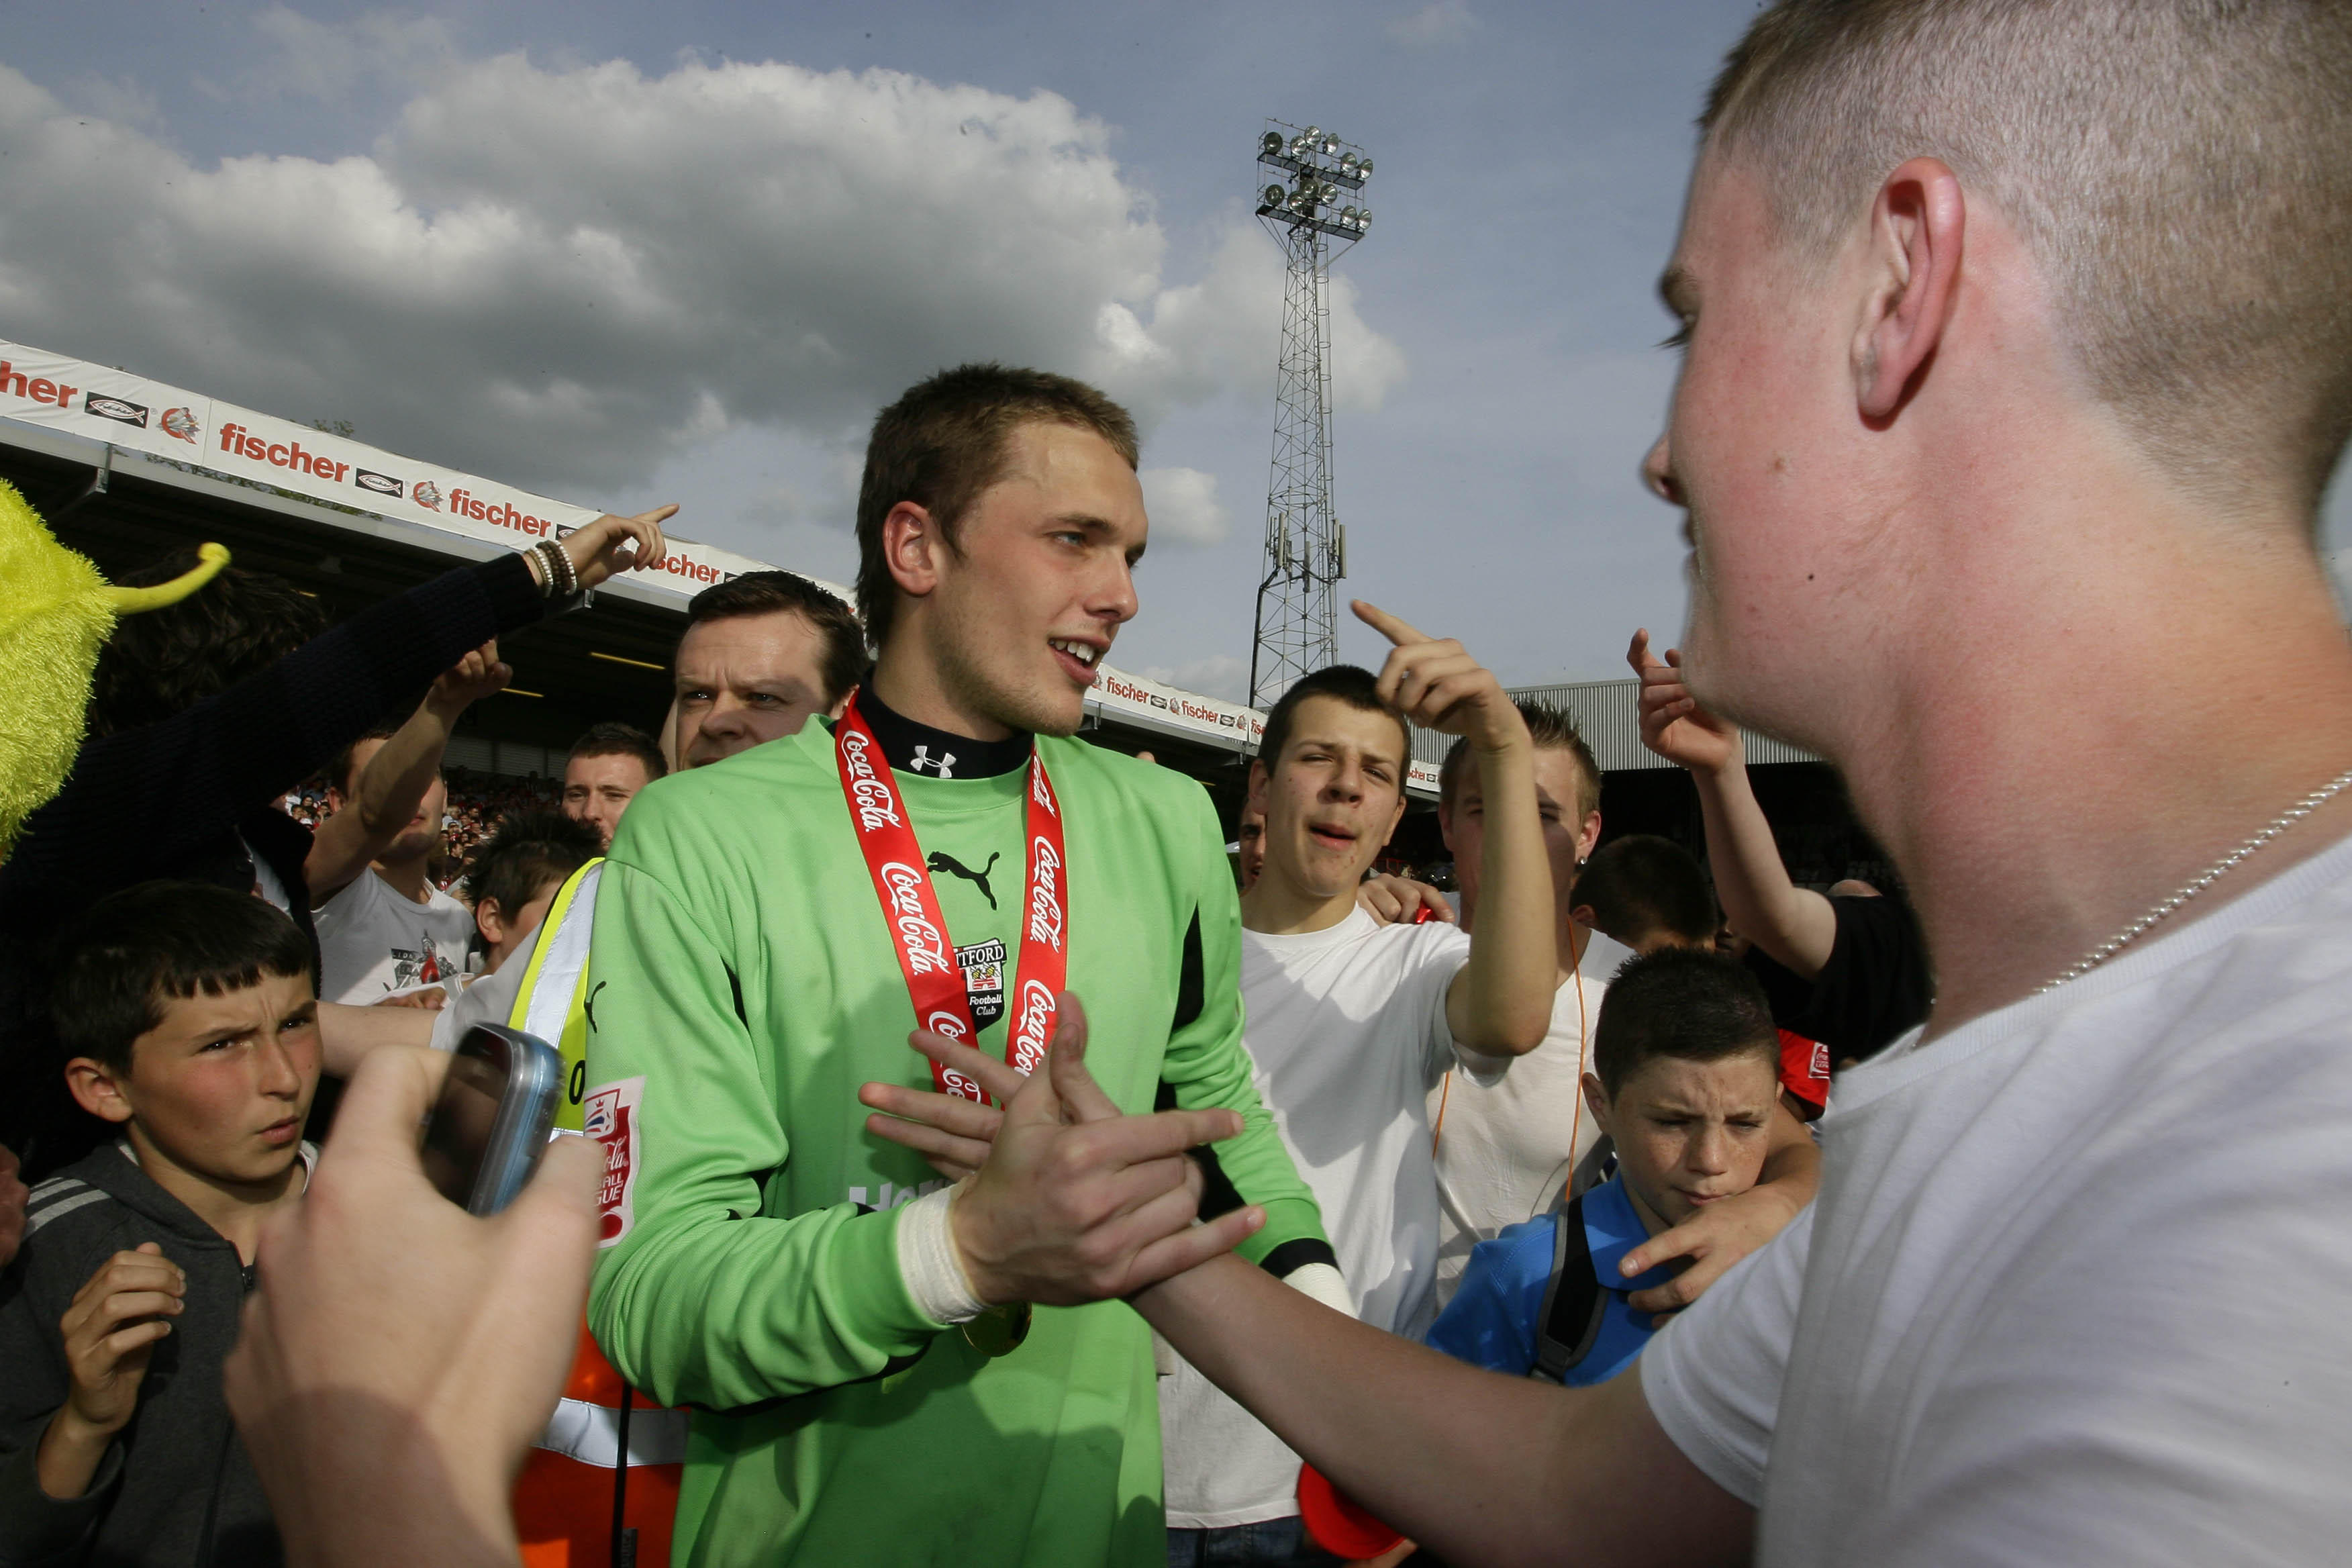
(173, 423)
(129, 411)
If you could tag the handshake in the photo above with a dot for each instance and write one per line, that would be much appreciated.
(400, 1354)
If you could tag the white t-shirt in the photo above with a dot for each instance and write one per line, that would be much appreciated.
(373, 941)
(1346, 1030)
(2078, 1285)
(1514, 1129)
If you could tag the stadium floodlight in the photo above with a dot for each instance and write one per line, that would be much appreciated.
(1306, 547)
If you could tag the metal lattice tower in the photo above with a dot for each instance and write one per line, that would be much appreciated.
(1305, 545)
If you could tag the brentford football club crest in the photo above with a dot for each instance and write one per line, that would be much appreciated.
(982, 964)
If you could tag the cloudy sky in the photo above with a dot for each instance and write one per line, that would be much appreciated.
(622, 253)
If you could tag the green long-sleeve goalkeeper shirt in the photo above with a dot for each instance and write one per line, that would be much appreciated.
(742, 969)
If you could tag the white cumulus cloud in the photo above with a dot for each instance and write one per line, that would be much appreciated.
(569, 277)
(1183, 506)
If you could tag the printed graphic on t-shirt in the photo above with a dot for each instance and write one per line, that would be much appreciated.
(418, 967)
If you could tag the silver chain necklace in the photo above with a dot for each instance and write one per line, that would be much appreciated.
(2211, 874)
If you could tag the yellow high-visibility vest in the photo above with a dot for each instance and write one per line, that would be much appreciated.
(553, 1001)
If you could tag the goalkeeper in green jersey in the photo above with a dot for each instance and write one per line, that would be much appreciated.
(869, 1384)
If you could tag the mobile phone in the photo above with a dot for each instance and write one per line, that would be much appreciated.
(485, 1135)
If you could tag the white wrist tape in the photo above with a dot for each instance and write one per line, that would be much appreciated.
(930, 1263)
(1323, 1283)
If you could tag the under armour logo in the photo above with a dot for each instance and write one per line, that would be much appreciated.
(941, 860)
(944, 765)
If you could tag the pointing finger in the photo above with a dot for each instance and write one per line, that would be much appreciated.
(1637, 653)
(1397, 631)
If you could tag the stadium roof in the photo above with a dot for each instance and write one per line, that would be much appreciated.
(125, 469)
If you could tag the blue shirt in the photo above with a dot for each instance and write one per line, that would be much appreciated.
(1493, 1317)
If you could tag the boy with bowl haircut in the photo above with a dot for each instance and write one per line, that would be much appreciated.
(1686, 1065)
(191, 1015)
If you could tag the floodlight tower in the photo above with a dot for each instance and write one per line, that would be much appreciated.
(1305, 546)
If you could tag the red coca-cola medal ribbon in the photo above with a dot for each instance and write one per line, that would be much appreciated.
(886, 834)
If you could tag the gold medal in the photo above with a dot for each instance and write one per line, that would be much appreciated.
(999, 1330)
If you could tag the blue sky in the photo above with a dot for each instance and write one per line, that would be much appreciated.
(622, 253)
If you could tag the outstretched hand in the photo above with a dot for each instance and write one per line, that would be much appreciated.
(1672, 723)
(950, 1132)
(613, 544)
(1072, 1200)
(1437, 685)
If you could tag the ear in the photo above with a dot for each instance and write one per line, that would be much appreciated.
(911, 548)
(1596, 1100)
(1918, 224)
(1582, 915)
(1259, 781)
(1588, 836)
(840, 704)
(491, 924)
(97, 1088)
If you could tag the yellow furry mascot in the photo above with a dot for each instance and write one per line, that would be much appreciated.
(55, 613)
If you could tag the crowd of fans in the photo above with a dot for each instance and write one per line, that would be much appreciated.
(1564, 1119)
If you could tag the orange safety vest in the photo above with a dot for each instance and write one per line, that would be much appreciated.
(564, 1502)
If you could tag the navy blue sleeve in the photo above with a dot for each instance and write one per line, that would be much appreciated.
(138, 803)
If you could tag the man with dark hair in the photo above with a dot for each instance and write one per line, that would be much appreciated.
(191, 1021)
(1647, 892)
(1988, 538)
(761, 655)
(609, 764)
(944, 857)
(383, 928)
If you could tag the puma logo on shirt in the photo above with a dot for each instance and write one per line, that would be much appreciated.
(941, 860)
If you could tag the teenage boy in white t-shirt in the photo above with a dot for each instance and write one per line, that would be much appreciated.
(1352, 1022)
(2023, 544)
(389, 927)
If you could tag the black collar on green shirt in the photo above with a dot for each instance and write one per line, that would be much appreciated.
(918, 748)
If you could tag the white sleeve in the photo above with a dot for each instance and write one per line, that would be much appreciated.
(1440, 952)
(1713, 1373)
(487, 1001)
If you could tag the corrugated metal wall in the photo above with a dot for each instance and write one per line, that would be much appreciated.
(1607, 712)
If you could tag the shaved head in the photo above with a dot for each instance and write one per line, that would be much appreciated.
(2181, 171)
